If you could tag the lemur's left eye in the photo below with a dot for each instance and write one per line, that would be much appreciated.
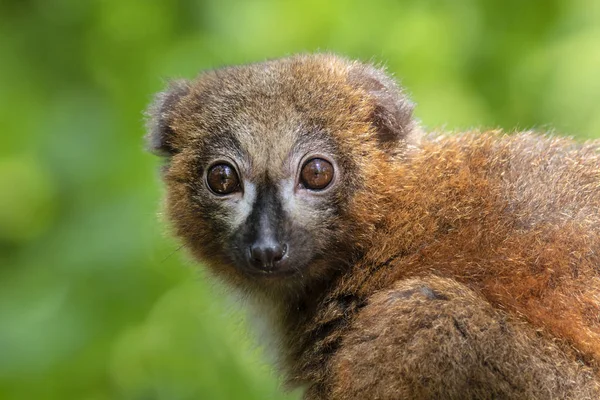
(316, 174)
(222, 179)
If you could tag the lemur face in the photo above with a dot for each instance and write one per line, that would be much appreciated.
(264, 162)
(267, 197)
(277, 211)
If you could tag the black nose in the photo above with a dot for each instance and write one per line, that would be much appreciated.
(267, 255)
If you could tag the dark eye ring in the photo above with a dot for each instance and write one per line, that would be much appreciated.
(316, 174)
(222, 179)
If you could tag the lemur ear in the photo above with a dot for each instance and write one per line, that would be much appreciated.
(392, 112)
(161, 139)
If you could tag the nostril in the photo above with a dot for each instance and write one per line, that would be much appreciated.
(279, 251)
(257, 253)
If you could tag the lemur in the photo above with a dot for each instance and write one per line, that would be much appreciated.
(390, 263)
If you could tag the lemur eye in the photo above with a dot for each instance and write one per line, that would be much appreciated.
(222, 179)
(316, 174)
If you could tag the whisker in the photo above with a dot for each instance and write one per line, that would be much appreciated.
(172, 253)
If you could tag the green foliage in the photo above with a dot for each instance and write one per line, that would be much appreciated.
(95, 302)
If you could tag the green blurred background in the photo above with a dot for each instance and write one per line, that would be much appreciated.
(96, 302)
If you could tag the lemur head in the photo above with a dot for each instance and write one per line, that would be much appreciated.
(276, 172)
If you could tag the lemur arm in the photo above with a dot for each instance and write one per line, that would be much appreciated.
(434, 338)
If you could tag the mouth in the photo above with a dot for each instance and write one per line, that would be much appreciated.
(270, 274)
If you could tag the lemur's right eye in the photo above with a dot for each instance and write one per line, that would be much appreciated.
(316, 174)
(222, 179)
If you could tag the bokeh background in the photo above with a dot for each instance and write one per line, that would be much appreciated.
(96, 302)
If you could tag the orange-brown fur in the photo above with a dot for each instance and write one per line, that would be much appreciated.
(528, 246)
(473, 363)
(468, 264)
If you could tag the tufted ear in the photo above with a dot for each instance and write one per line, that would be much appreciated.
(161, 139)
(392, 110)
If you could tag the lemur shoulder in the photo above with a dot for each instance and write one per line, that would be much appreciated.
(399, 264)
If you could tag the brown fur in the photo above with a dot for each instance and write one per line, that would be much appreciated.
(457, 266)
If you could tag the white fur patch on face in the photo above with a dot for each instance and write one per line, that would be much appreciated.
(288, 197)
(243, 206)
